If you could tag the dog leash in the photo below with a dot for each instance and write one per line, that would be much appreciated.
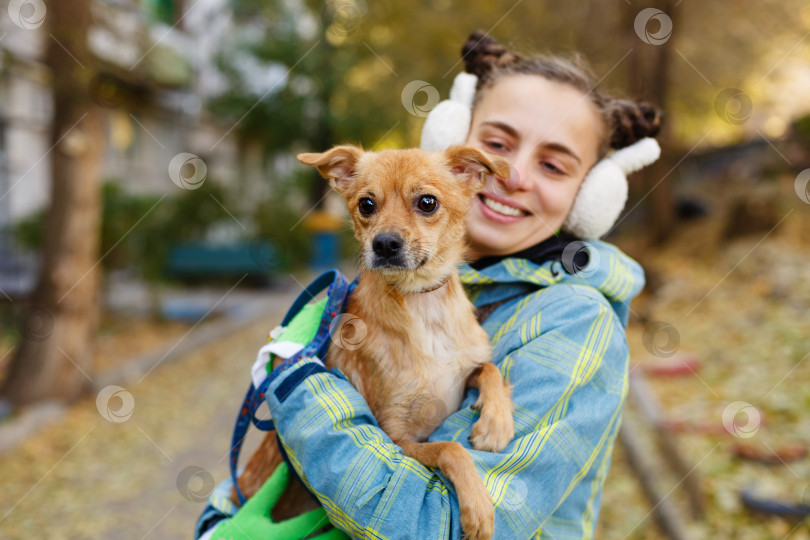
(338, 292)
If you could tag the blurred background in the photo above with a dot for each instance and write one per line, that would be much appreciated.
(155, 225)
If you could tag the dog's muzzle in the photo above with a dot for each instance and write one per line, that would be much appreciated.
(388, 251)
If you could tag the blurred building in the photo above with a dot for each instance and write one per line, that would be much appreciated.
(157, 70)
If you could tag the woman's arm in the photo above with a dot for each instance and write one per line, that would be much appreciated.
(566, 357)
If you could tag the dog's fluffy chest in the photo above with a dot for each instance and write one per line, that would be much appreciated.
(438, 336)
(415, 361)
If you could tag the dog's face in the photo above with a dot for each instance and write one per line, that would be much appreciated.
(408, 206)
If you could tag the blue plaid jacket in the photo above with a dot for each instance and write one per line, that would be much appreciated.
(559, 339)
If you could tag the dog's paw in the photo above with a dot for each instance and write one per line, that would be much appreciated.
(494, 429)
(477, 515)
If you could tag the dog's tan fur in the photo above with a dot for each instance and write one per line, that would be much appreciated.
(421, 347)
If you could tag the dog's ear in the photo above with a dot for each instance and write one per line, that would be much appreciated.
(338, 164)
(473, 166)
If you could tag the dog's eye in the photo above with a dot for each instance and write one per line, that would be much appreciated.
(427, 204)
(366, 206)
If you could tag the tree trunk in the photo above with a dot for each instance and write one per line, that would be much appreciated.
(648, 79)
(55, 352)
(324, 137)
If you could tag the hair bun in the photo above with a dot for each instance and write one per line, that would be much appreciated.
(632, 122)
(481, 54)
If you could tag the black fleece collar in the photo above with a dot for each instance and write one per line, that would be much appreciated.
(549, 249)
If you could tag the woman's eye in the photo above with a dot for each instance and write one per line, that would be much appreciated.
(366, 206)
(550, 167)
(492, 145)
(427, 204)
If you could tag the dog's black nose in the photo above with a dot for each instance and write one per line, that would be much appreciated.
(386, 244)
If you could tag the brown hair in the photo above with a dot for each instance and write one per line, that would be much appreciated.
(626, 121)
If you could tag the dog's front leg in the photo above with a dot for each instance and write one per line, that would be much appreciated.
(474, 501)
(495, 428)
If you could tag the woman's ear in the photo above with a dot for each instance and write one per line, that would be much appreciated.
(338, 164)
(472, 165)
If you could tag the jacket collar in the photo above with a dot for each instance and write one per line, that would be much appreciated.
(613, 274)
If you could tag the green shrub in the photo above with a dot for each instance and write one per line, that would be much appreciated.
(138, 231)
(801, 127)
(283, 224)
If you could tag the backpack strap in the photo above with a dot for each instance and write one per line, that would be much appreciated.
(337, 295)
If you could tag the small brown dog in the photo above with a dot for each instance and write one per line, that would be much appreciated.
(423, 341)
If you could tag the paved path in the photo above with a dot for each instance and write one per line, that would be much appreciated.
(140, 475)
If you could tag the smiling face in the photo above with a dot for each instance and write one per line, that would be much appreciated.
(550, 133)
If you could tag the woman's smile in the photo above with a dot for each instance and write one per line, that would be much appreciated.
(500, 209)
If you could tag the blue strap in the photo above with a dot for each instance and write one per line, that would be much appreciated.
(338, 292)
(327, 279)
(240, 429)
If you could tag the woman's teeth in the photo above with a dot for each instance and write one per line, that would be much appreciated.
(500, 207)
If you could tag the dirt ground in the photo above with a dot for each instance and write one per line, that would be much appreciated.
(741, 308)
(142, 475)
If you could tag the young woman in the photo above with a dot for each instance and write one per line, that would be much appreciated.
(555, 309)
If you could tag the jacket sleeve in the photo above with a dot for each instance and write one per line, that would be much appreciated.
(565, 353)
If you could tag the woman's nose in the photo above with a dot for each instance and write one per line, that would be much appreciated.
(511, 183)
(515, 180)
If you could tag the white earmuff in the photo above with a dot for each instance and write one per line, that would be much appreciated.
(449, 121)
(603, 193)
